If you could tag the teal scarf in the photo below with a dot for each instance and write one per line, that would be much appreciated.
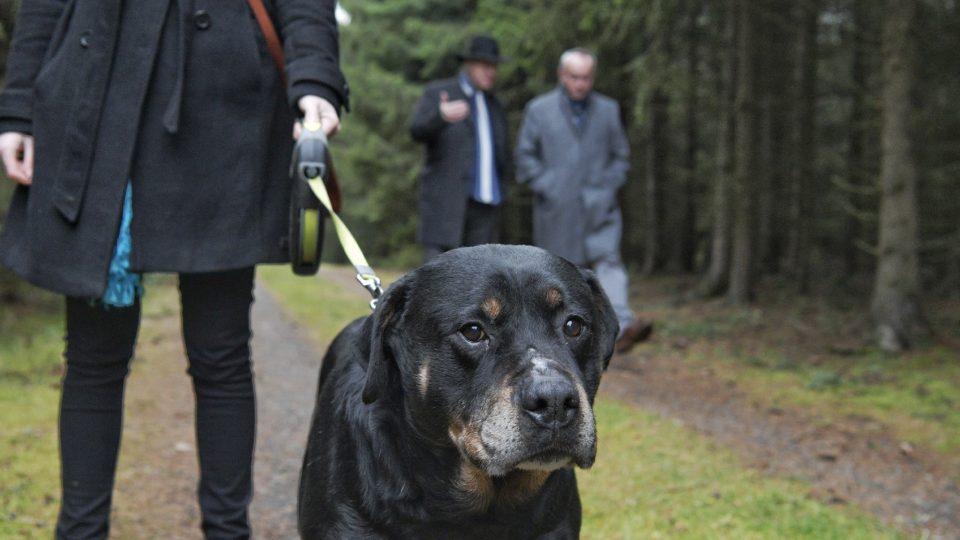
(123, 286)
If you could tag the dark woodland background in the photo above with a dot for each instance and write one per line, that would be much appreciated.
(813, 144)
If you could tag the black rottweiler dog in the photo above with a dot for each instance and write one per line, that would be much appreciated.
(459, 408)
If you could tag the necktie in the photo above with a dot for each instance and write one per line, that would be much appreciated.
(485, 189)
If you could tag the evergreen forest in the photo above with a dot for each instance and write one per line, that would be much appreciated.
(814, 144)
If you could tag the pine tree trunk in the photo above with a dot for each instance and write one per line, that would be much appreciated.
(741, 261)
(777, 151)
(656, 182)
(766, 199)
(804, 173)
(856, 160)
(896, 309)
(715, 280)
(683, 250)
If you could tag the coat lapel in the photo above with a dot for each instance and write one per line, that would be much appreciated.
(457, 93)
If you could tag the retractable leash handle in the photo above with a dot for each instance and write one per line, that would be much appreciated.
(313, 165)
(307, 215)
(311, 151)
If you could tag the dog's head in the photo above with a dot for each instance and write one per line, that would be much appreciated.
(497, 350)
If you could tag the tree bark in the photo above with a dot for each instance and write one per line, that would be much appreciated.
(716, 278)
(777, 150)
(856, 155)
(656, 181)
(766, 197)
(803, 185)
(740, 290)
(683, 250)
(895, 305)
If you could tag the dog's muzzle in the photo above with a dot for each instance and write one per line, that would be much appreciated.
(549, 397)
(560, 429)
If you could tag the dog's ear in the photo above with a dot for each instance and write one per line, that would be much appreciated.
(379, 364)
(608, 325)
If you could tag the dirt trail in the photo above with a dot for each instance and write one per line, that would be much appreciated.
(853, 463)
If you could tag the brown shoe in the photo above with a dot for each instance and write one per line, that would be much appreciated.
(638, 331)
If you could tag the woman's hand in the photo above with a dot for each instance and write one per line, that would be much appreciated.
(16, 150)
(316, 109)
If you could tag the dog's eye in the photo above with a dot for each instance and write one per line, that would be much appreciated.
(573, 327)
(473, 333)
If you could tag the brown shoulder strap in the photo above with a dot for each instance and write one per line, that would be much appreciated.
(276, 51)
(270, 33)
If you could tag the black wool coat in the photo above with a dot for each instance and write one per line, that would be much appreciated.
(446, 181)
(180, 97)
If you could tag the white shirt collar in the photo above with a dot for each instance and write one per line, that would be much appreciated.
(465, 85)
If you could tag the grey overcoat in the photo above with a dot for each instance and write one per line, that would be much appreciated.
(447, 177)
(575, 176)
(179, 96)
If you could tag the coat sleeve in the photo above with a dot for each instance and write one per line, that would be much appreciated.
(530, 167)
(427, 123)
(311, 47)
(614, 172)
(35, 26)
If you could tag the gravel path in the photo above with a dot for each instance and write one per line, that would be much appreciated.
(287, 367)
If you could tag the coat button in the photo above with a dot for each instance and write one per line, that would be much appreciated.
(201, 19)
(85, 40)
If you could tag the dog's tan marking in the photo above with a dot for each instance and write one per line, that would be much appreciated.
(492, 307)
(520, 486)
(423, 377)
(475, 487)
(553, 297)
(478, 490)
(467, 439)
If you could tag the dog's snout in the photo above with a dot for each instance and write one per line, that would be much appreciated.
(551, 400)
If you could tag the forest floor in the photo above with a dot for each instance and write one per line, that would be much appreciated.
(847, 460)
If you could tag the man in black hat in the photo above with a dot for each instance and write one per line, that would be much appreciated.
(464, 129)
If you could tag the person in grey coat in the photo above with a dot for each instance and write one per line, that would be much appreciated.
(464, 130)
(155, 136)
(573, 153)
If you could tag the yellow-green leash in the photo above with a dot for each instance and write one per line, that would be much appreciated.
(314, 177)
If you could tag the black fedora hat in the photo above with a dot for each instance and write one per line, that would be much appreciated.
(483, 48)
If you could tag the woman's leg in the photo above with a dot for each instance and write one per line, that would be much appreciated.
(216, 330)
(99, 345)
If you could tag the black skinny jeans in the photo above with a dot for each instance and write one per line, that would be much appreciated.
(215, 311)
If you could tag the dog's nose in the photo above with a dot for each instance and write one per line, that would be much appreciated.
(551, 400)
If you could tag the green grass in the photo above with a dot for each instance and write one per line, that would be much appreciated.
(323, 306)
(30, 359)
(653, 478)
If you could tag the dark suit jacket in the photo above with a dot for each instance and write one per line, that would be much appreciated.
(447, 178)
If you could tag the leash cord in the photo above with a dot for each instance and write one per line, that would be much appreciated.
(365, 274)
